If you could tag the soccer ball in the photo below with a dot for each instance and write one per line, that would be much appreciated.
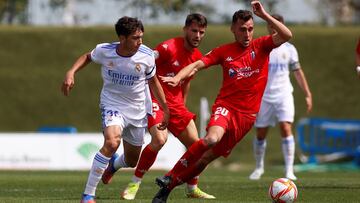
(283, 190)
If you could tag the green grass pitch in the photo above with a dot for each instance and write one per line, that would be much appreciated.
(227, 186)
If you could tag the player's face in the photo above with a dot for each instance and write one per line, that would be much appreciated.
(131, 43)
(243, 32)
(193, 34)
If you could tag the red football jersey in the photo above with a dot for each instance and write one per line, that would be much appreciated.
(172, 57)
(358, 47)
(245, 72)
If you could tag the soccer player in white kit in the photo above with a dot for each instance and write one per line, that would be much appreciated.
(278, 105)
(126, 67)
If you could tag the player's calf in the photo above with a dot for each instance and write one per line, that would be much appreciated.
(110, 170)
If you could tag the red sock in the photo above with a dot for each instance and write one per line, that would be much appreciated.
(188, 174)
(194, 153)
(191, 156)
(193, 181)
(147, 159)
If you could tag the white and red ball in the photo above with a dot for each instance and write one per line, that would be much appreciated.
(283, 190)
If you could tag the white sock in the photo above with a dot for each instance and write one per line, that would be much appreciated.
(192, 187)
(259, 152)
(98, 167)
(120, 162)
(136, 179)
(288, 148)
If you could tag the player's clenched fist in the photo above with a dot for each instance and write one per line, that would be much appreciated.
(67, 84)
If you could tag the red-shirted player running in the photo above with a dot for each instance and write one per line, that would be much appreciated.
(245, 68)
(171, 56)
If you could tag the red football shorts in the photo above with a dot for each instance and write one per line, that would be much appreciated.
(236, 126)
(180, 117)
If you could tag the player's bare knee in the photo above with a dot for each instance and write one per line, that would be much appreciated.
(158, 144)
(112, 145)
(211, 140)
(158, 141)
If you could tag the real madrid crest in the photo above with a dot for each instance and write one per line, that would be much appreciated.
(110, 64)
(138, 67)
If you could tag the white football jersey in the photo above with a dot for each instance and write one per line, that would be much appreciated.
(282, 60)
(124, 78)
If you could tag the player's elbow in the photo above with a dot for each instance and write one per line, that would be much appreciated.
(288, 35)
(198, 66)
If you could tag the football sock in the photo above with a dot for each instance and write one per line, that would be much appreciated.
(190, 172)
(136, 179)
(119, 162)
(98, 167)
(259, 152)
(194, 153)
(187, 168)
(146, 160)
(288, 148)
(192, 183)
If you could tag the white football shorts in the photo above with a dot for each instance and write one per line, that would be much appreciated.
(282, 110)
(131, 134)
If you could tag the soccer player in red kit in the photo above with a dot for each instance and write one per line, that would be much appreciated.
(171, 56)
(245, 68)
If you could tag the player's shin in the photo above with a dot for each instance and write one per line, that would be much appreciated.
(147, 159)
(193, 154)
(98, 167)
(189, 173)
(288, 148)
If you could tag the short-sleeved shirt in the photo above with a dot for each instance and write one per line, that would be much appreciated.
(283, 59)
(124, 78)
(245, 71)
(171, 57)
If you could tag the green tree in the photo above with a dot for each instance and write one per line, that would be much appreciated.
(332, 12)
(13, 9)
(169, 6)
(269, 4)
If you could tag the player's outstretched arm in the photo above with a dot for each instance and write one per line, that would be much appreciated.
(69, 80)
(282, 34)
(301, 80)
(158, 92)
(186, 72)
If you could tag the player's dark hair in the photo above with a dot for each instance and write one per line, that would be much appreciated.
(243, 15)
(196, 18)
(127, 25)
(278, 17)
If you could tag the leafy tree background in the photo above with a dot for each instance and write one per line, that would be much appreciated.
(331, 12)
